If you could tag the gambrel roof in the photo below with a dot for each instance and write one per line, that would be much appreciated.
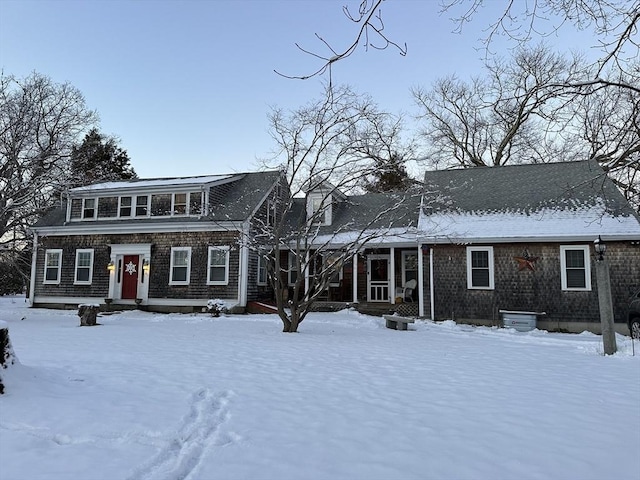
(553, 202)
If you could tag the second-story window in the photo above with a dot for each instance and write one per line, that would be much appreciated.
(88, 208)
(179, 203)
(142, 205)
(125, 206)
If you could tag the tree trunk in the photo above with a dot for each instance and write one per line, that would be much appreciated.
(88, 314)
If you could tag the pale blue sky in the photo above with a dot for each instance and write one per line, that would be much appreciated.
(187, 85)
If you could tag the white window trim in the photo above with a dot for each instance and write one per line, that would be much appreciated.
(587, 267)
(173, 204)
(75, 275)
(95, 209)
(291, 263)
(56, 251)
(262, 266)
(131, 206)
(325, 206)
(180, 282)
(325, 258)
(405, 254)
(469, 269)
(134, 212)
(224, 248)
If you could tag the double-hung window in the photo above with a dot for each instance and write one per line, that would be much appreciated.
(125, 206)
(180, 269)
(52, 266)
(142, 205)
(575, 269)
(480, 268)
(262, 270)
(180, 203)
(88, 208)
(218, 271)
(409, 266)
(84, 267)
(292, 274)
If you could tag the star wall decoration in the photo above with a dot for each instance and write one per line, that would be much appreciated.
(526, 262)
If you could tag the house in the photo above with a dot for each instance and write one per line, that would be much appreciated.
(466, 244)
(380, 229)
(520, 238)
(171, 243)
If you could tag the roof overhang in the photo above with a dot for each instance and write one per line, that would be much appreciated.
(85, 229)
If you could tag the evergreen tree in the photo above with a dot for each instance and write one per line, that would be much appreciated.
(388, 175)
(99, 159)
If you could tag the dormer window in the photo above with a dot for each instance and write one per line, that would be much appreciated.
(319, 208)
(88, 208)
(125, 206)
(179, 203)
(142, 205)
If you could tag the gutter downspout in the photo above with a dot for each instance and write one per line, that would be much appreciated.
(32, 280)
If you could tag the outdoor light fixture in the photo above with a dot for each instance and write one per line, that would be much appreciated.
(600, 248)
(145, 265)
(111, 266)
(425, 249)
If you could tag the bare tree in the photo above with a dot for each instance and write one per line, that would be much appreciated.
(369, 33)
(40, 121)
(614, 24)
(507, 116)
(522, 111)
(319, 150)
(606, 127)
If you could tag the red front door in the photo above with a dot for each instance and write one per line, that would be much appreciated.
(130, 264)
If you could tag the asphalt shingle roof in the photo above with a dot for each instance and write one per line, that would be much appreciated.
(234, 201)
(533, 187)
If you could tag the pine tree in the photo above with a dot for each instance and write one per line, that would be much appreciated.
(388, 175)
(99, 159)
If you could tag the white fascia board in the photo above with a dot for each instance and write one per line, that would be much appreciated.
(112, 229)
(142, 187)
(529, 239)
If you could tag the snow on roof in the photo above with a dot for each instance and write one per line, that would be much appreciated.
(581, 223)
(153, 182)
(382, 236)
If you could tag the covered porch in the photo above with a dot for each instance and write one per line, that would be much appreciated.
(377, 280)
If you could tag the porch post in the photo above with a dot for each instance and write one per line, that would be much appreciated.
(392, 268)
(306, 273)
(243, 267)
(354, 280)
(420, 283)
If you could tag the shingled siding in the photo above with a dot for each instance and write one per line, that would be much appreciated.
(527, 290)
(100, 281)
(160, 263)
(199, 242)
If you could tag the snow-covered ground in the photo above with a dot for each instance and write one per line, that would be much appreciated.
(166, 397)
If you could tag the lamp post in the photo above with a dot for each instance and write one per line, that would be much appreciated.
(604, 298)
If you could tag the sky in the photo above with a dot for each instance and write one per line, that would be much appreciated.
(146, 396)
(187, 86)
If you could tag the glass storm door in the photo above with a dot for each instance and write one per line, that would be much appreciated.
(378, 278)
(130, 268)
